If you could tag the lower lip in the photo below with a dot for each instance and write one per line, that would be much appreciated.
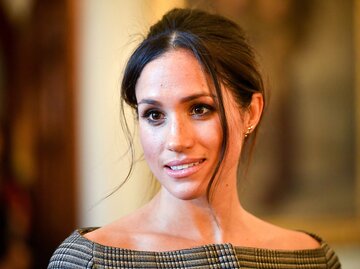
(184, 172)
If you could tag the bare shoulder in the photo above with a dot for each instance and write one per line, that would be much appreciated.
(296, 240)
(120, 233)
(110, 235)
(274, 237)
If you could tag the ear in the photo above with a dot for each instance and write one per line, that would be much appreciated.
(253, 113)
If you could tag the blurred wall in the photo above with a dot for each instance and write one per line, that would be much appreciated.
(106, 36)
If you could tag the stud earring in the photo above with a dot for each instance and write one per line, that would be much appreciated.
(248, 132)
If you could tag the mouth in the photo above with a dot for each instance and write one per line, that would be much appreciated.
(184, 166)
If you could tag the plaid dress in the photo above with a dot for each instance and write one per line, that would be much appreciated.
(77, 252)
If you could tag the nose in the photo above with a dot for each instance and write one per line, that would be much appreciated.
(180, 135)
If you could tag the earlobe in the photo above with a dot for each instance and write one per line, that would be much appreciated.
(254, 110)
(249, 130)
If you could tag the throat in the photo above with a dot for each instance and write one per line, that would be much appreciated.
(192, 221)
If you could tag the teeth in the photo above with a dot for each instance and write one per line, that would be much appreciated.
(184, 166)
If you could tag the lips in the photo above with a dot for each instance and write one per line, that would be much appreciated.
(183, 168)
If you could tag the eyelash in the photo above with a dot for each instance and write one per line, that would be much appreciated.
(209, 109)
(149, 114)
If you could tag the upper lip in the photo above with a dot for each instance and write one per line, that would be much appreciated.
(184, 161)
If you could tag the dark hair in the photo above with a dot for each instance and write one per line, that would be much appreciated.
(220, 47)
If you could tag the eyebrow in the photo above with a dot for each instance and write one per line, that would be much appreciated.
(183, 100)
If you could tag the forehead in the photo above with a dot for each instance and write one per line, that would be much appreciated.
(177, 71)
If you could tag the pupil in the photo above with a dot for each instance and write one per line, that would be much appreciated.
(199, 110)
(155, 115)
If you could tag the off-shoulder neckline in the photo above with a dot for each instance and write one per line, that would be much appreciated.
(82, 231)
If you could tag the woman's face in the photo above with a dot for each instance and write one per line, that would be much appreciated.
(179, 125)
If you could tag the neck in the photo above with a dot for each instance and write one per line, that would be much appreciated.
(198, 219)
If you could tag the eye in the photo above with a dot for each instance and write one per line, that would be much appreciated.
(201, 110)
(154, 117)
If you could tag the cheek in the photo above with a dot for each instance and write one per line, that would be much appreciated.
(150, 142)
(208, 135)
(146, 141)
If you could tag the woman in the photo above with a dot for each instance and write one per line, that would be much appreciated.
(199, 97)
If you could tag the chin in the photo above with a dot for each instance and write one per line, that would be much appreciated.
(187, 193)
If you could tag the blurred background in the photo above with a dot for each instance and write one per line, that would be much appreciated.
(62, 148)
